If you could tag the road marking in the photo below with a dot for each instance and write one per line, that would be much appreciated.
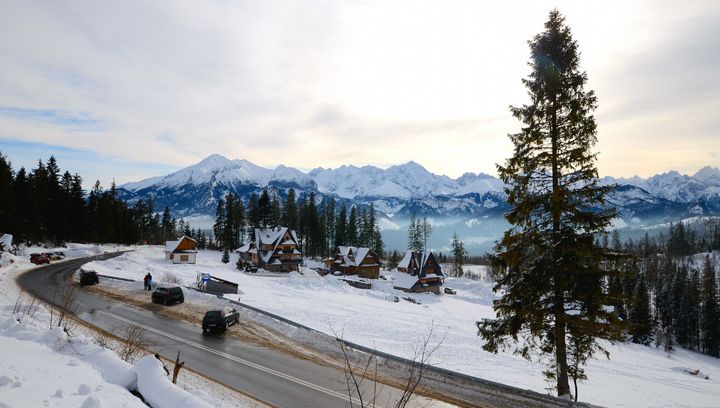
(236, 359)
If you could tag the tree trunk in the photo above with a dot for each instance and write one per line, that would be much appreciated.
(561, 367)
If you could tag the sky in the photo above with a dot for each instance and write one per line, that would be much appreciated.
(133, 89)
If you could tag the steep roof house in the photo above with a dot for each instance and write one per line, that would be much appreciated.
(273, 249)
(356, 261)
(424, 273)
(183, 250)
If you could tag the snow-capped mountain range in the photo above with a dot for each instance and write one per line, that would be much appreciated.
(473, 202)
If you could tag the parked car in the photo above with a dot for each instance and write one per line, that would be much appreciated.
(219, 319)
(167, 295)
(89, 278)
(39, 259)
(57, 256)
(450, 291)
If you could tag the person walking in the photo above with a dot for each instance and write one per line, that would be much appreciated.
(145, 281)
(149, 282)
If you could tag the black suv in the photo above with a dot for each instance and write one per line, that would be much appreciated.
(89, 278)
(219, 319)
(167, 295)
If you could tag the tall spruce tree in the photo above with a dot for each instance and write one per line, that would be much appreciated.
(459, 255)
(640, 319)
(550, 269)
(710, 312)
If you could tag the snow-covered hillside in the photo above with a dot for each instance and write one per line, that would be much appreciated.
(636, 376)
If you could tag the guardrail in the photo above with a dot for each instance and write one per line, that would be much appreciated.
(529, 394)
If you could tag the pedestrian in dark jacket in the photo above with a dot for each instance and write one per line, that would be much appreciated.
(146, 281)
(149, 282)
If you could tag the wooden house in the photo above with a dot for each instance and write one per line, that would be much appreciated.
(355, 261)
(273, 249)
(424, 273)
(183, 250)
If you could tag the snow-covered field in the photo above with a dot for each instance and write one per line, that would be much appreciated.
(40, 366)
(636, 376)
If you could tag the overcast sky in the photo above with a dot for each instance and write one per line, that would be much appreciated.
(133, 89)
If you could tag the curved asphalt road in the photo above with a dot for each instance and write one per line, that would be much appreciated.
(270, 376)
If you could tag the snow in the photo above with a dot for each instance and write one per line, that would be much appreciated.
(40, 366)
(636, 376)
(159, 391)
(218, 168)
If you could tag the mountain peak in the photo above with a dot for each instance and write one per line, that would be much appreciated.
(708, 175)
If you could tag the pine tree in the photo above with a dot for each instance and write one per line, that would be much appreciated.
(459, 255)
(225, 256)
(290, 214)
(415, 234)
(710, 312)
(254, 212)
(341, 228)
(220, 221)
(425, 232)
(351, 237)
(7, 195)
(549, 263)
(265, 209)
(640, 318)
(276, 209)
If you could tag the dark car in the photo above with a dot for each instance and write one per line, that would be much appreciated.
(39, 259)
(168, 295)
(89, 278)
(219, 319)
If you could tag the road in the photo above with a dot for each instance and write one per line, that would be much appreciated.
(268, 375)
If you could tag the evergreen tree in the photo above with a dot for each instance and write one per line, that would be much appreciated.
(341, 228)
(225, 256)
(640, 318)
(415, 234)
(290, 214)
(220, 221)
(265, 208)
(254, 212)
(425, 232)
(351, 237)
(393, 260)
(548, 261)
(167, 225)
(330, 225)
(693, 313)
(7, 196)
(459, 255)
(276, 208)
(710, 313)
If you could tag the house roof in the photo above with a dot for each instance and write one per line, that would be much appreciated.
(406, 260)
(358, 255)
(171, 246)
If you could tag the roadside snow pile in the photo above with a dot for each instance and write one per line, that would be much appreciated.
(159, 391)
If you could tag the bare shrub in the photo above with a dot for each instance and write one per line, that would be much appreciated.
(170, 278)
(359, 370)
(132, 341)
(25, 306)
(103, 340)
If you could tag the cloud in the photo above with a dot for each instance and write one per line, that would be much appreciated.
(324, 83)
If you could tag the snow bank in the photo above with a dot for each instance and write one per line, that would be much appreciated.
(159, 391)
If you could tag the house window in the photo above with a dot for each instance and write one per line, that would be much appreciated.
(183, 258)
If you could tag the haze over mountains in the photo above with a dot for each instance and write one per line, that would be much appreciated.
(471, 204)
